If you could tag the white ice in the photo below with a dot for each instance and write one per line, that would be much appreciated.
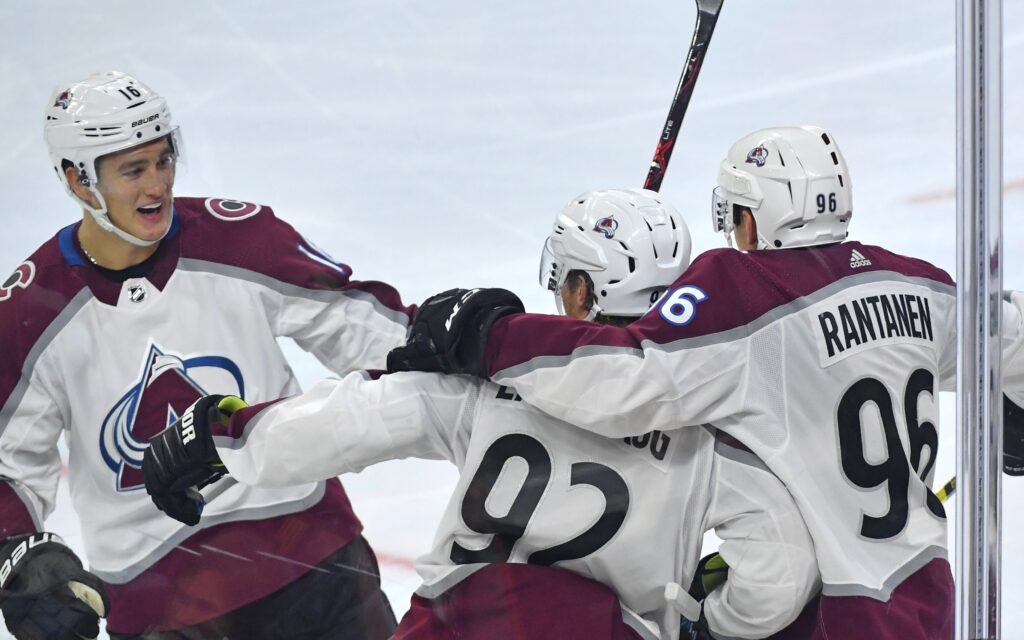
(429, 144)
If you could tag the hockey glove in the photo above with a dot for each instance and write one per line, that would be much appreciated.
(712, 572)
(45, 594)
(449, 332)
(182, 458)
(1013, 438)
(689, 630)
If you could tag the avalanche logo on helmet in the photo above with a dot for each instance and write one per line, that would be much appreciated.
(758, 155)
(607, 227)
(166, 388)
(63, 100)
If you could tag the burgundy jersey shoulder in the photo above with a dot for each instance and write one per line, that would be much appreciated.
(43, 289)
(249, 236)
(727, 290)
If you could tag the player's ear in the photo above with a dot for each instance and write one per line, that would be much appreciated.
(749, 229)
(78, 188)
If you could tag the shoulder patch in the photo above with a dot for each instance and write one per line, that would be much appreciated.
(231, 210)
(21, 278)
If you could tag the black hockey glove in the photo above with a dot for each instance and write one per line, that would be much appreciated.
(1013, 438)
(182, 459)
(45, 594)
(689, 630)
(712, 572)
(449, 332)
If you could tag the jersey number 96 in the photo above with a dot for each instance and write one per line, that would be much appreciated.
(895, 470)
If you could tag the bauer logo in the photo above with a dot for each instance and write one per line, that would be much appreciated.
(607, 227)
(758, 155)
(166, 387)
(27, 544)
(139, 123)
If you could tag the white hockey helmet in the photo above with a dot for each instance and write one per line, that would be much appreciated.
(795, 182)
(631, 242)
(104, 113)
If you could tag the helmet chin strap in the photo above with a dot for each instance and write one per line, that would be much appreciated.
(103, 220)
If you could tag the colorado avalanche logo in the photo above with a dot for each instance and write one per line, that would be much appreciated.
(21, 278)
(607, 227)
(165, 389)
(758, 155)
(63, 100)
(231, 210)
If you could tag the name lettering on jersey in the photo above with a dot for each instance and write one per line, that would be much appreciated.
(655, 441)
(869, 321)
(508, 393)
(652, 447)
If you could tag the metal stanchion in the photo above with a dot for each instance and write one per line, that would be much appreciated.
(979, 285)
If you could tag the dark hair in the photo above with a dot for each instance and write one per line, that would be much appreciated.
(577, 278)
(737, 214)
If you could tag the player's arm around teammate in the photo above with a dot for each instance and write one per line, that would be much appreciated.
(343, 426)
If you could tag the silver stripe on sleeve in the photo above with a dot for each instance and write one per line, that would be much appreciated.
(729, 335)
(49, 334)
(23, 495)
(291, 290)
(133, 571)
(739, 455)
(449, 580)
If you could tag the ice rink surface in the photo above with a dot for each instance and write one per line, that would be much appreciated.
(429, 145)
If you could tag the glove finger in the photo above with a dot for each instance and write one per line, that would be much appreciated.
(180, 506)
(92, 595)
(78, 620)
(414, 357)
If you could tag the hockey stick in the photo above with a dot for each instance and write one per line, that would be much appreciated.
(947, 490)
(707, 17)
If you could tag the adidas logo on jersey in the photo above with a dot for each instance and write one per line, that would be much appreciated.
(858, 260)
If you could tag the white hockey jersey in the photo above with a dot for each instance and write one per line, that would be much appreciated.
(112, 363)
(826, 362)
(629, 512)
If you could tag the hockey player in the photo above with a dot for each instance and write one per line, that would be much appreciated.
(111, 330)
(823, 356)
(533, 491)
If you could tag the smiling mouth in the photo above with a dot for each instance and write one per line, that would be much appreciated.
(151, 210)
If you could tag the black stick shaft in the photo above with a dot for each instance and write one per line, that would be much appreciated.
(707, 17)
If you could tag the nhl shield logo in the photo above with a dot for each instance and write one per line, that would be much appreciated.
(607, 227)
(136, 293)
(758, 155)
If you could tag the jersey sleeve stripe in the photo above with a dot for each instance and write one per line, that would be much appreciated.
(356, 291)
(16, 513)
(131, 572)
(533, 346)
(14, 388)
